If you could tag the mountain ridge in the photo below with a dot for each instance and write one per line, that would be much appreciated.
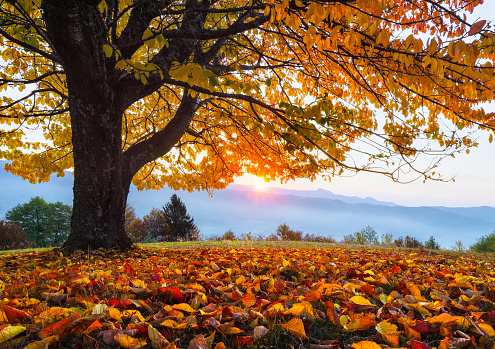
(318, 212)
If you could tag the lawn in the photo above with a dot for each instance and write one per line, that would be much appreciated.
(247, 295)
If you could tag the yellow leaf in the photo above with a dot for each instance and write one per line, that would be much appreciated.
(300, 308)
(10, 331)
(488, 329)
(114, 313)
(131, 313)
(386, 327)
(360, 300)
(128, 342)
(296, 327)
(389, 332)
(285, 263)
(108, 50)
(365, 345)
(183, 307)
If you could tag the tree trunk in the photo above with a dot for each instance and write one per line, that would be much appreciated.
(100, 183)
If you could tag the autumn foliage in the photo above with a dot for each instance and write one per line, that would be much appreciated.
(247, 298)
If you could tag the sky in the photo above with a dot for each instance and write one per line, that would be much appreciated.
(474, 173)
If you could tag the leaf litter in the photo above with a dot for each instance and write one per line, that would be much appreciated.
(212, 298)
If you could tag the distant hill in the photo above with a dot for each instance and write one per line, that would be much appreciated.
(316, 212)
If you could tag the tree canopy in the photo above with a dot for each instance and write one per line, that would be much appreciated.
(46, 224)
(191, 94)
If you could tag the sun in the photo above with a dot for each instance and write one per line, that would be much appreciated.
(260, 184)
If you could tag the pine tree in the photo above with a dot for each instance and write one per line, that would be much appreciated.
(179, 223)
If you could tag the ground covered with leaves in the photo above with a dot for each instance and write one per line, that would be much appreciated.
(247, 298)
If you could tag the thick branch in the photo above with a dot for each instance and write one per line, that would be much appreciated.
(163, 141)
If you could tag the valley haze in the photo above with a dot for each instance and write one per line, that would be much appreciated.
(242, 209)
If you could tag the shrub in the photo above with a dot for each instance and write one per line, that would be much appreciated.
(272, 237)
(319, 238)
(229, 235)
(408, 242)
(486, 243)
(432, 244)
(459, 246)
(12, 236)
(287, 234)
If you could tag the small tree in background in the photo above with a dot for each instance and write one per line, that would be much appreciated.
(229, 235)
(134, 226)
(431, 244)
(45, 223)
(155, 224)
(387, 239)
(366, 236)
(12, 236)
(287, 234)
(180, 223)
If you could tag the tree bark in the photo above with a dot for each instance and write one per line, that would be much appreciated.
(100, 184)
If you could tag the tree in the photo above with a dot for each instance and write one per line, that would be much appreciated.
(134, 226)
(287, 234)
(155, 224)
(179, 224)
(366, 236)
(191, 93)
(45, 223)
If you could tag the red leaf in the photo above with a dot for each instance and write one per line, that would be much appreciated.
(240, 341)
(128, 268)
(14, 315)
(425, 328)
(477, 27)
(172, 293)
(418, 345)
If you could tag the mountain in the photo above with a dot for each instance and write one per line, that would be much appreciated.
(317, 212)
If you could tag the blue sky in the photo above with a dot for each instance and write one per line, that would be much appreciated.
(474, 173)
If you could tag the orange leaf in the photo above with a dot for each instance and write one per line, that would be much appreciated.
(296, 327)
(360, 323)
(55, 329)
(220, 345)
(476, 27)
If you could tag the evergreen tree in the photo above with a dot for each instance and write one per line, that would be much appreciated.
(180, 225)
